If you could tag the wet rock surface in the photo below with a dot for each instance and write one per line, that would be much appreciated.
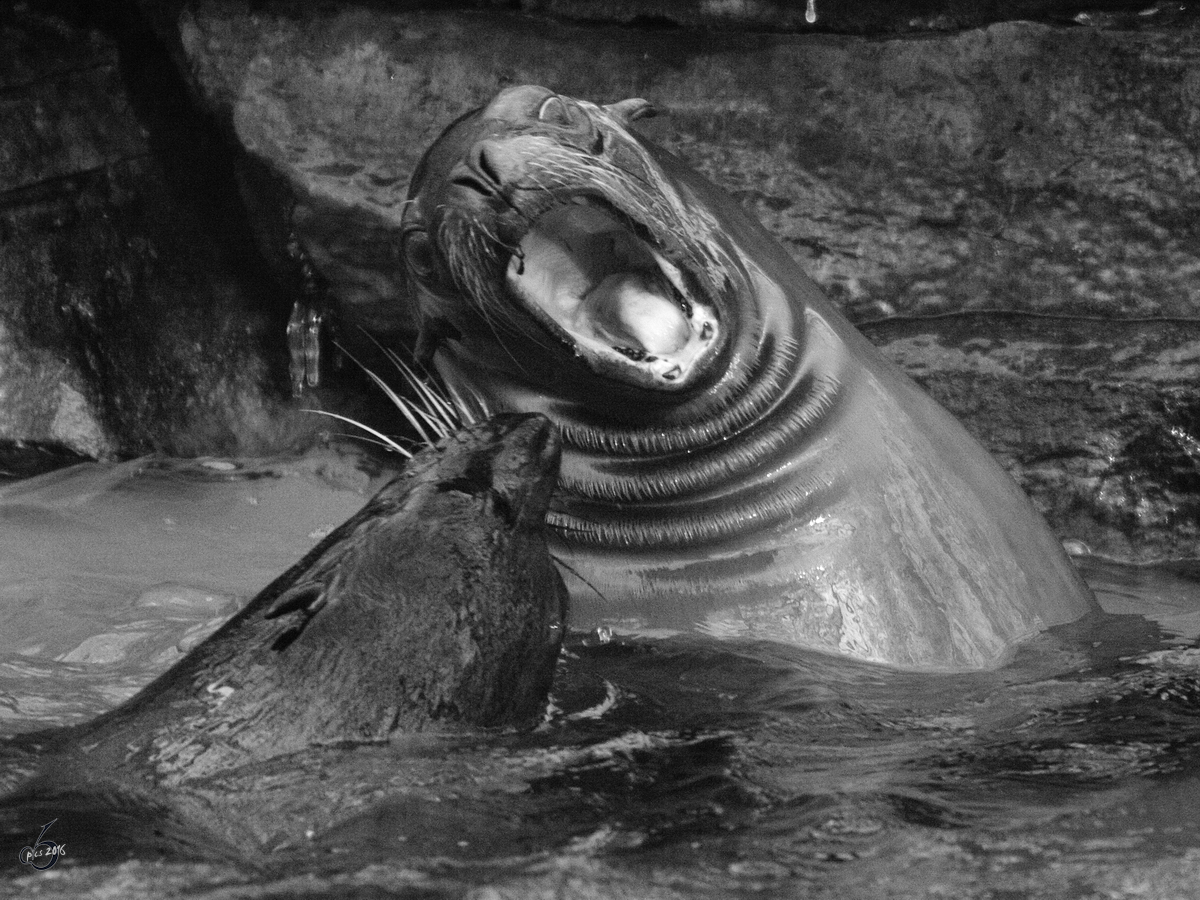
(1096, 419)
(133, 317)
(853, 17)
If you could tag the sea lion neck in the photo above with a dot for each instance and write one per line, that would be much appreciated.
(713, 474)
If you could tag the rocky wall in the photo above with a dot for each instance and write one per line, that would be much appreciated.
(1009, 211)
(133, 317)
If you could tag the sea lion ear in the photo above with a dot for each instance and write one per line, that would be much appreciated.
(628, 111)
(417, 252)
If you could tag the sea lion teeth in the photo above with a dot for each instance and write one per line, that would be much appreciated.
(675, 277)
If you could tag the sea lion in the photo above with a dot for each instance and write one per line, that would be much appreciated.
(437, 602)
(737, 458)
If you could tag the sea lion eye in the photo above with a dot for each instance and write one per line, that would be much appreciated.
(418, 253)
(554, 111)
(565, 114)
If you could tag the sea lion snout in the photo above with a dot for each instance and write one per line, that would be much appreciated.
(492, 164)
(483, 170)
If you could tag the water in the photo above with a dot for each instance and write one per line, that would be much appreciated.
(676, 768)
(107, 573)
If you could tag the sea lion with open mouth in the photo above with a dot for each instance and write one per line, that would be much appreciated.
(737, 458)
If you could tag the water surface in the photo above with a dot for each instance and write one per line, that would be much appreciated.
(673, 768)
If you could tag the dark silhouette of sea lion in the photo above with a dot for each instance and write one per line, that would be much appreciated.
(435, 605)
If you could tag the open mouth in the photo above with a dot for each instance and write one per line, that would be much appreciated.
(625, 308)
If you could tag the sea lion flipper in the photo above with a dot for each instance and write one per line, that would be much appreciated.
(308, 597)
(311, 580)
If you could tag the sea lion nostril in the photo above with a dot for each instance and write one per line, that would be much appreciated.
(473, 184)
(485, 165)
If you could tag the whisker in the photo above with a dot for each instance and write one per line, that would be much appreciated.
(432, 415)
(382, 438)
(559, 562)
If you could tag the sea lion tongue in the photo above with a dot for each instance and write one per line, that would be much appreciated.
(590, 279)
(631, 309)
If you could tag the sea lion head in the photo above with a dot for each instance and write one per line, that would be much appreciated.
(540, 228)
(562, 264)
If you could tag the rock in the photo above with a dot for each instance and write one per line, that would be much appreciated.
(1097, 421)
(850, 16)
(126, 326)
